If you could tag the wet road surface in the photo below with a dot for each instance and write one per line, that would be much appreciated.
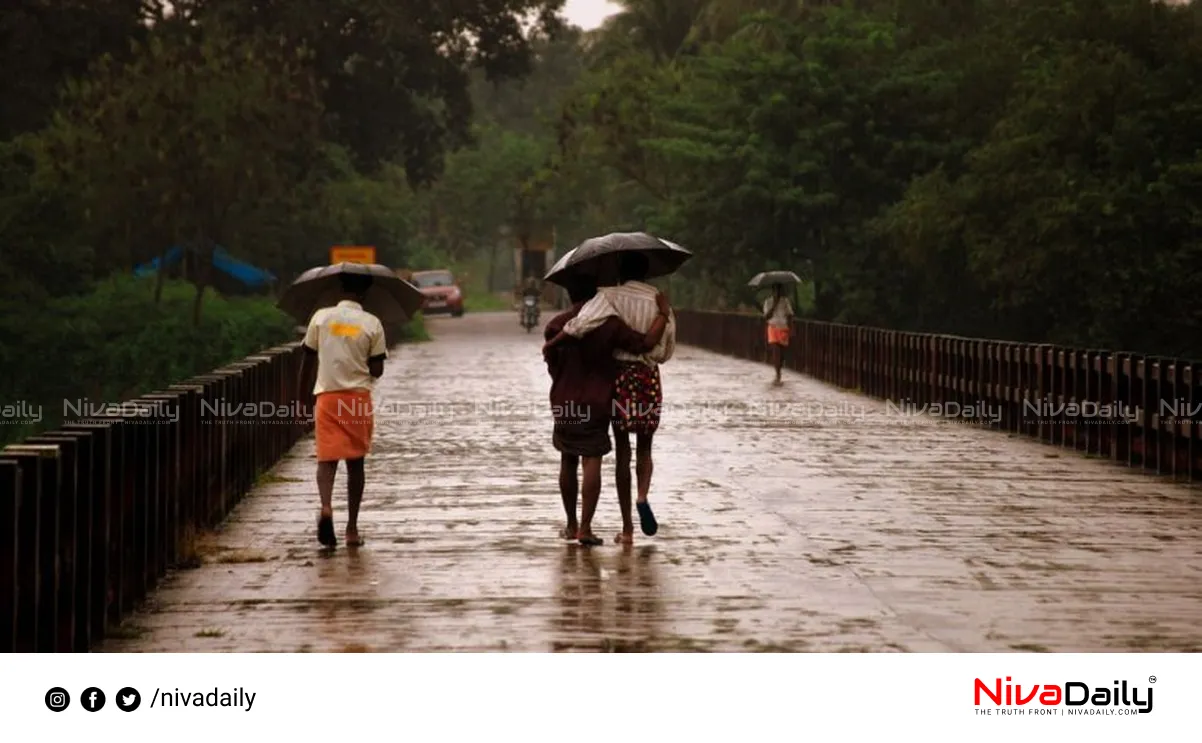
(792, 518)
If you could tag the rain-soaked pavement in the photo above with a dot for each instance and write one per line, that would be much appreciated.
(825, 527)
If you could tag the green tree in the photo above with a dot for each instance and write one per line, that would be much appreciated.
(396, 74)
(184, 143)
(656, 27)
(43, 44)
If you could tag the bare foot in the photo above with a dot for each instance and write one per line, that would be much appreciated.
(586, 538)
(624, 537)
(353, 539)
(568, 533)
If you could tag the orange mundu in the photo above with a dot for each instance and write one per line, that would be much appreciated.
(778, 336)
(344, 422)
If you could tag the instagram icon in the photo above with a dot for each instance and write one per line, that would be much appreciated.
(57, 699)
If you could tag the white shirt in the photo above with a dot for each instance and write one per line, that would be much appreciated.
(345, 337)
(633, 302)
(783, 314)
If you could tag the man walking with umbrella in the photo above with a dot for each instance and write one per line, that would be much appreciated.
(582, 378)
(638, 393)
(344, 352)
(777, 312)
(349, 347)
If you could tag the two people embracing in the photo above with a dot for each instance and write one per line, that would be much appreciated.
(603, 355)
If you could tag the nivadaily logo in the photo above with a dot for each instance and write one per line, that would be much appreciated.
(1072, 697)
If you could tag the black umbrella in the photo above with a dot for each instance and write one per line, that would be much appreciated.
(584, 260)
(390, 298)
(774, 278)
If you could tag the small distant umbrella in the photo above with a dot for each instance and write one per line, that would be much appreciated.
(583, 261)
(774, 278)
(390, 298)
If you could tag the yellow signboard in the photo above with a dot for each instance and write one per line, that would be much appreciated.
(352, 254)
(536, 243)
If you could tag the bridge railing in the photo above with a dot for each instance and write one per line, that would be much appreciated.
(1137, 410)
(94, 514)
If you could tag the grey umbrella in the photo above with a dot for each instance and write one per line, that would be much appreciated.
(583, 261)
(390, 298)
(774, 278)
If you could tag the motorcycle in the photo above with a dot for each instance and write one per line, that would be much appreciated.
(529, 312)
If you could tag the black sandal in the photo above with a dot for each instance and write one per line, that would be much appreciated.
(647, 519)
(325, 531)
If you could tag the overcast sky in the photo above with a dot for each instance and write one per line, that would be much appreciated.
(588, 14)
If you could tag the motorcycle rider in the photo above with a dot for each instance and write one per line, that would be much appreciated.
(530, 288)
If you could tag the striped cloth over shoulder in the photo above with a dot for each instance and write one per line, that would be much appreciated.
(634, 303)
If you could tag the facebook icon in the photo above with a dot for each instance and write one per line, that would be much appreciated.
(92, 699)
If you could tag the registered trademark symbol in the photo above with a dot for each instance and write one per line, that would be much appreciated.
(1151, 679)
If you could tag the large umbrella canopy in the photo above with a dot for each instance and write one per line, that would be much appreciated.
(774, 278)
(390, 298)
(586, 260)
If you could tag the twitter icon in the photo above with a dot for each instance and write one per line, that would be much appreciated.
(128, 699)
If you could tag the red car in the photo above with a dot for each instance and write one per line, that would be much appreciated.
(443, 294)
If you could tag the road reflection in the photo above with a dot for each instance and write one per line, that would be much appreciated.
(610, 599)
(346, 595)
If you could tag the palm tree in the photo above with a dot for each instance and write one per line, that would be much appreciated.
(659, 27)
(719, 20)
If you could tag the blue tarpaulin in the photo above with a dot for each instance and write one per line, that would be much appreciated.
(244, 272)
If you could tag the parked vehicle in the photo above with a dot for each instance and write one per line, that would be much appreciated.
(443, 293)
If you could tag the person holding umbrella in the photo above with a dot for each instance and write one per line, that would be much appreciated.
(344, 353)
(582, 378)
(638, 393)
(778, 313)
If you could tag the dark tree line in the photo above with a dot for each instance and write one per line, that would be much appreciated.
(273, 129)
(1024, 171)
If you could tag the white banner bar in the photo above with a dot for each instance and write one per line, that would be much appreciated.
(583, 698)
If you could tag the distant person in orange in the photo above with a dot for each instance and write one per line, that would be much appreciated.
(350, 350)
(778, 313)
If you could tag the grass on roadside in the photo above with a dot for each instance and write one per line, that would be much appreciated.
(487, 302)
(415, 330)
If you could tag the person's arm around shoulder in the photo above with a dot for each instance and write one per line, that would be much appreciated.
(592, 315)
(669, 339)
(635, 342)
(379, 351)
(663, 351)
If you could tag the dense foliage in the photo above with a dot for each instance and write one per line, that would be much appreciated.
(113, 344)
(1026, 171)
(274, 130)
